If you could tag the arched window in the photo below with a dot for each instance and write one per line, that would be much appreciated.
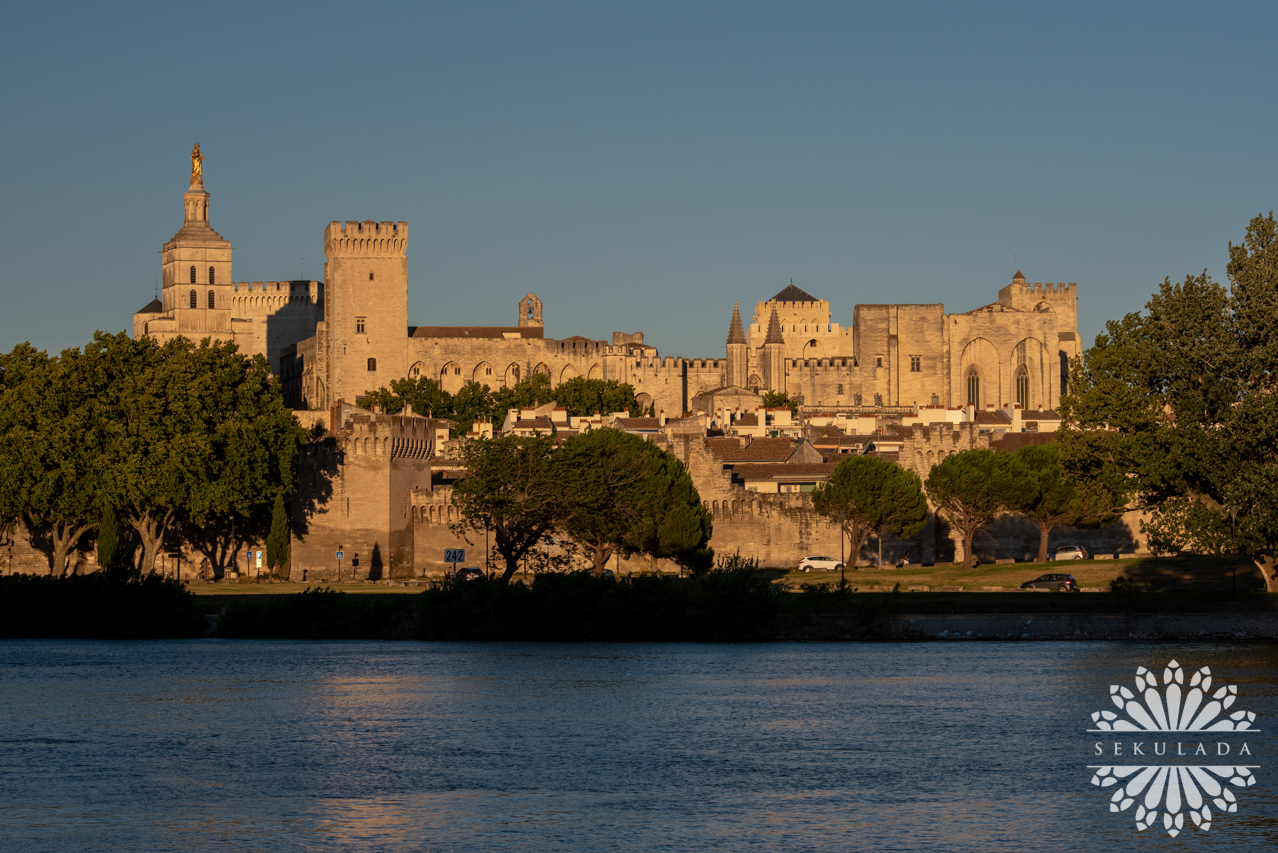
(1022, 387)
(372, 364)
(211, 278)
(973, 389)
(192, 275)
(195, 299)
(211, 299)
(530, 309)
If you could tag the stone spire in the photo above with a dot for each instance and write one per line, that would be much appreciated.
(774, 330)
(736, 334)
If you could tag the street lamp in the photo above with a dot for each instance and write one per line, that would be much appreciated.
(843, 559)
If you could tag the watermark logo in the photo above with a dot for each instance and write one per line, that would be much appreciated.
(1184, 730)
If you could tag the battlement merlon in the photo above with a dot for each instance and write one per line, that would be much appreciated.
(1024, 296)
(366, 239)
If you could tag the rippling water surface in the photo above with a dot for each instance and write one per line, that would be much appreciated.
(245, 746)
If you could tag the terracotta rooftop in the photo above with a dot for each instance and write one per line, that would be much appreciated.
(542, 423)
(759, 450)
(637, 423)
(991, 418)
(746, 420)
(492, 332)
(1045, 415)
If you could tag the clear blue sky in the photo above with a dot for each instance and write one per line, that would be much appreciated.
(637, 165)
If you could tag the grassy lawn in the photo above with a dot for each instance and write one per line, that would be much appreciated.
(1178, 572)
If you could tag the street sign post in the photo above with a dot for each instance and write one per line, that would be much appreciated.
(339, 563)
(454, 556)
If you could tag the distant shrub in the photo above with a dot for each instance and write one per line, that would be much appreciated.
(318, 614)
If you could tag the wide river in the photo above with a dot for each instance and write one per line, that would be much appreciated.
(318, 746)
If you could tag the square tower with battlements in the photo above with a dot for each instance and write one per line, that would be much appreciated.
(366, 306)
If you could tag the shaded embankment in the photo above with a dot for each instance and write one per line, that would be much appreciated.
(718, 607)
(98, 606)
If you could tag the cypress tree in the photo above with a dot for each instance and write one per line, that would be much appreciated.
(108, 538)
(277, 539)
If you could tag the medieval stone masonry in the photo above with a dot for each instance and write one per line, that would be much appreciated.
(908, 382)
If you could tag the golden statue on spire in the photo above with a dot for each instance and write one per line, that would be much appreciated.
(197, 165)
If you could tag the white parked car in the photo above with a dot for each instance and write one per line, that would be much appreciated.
(1071, 552)
(829, 564)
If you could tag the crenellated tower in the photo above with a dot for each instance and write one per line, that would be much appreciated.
(774, 356)
(366, 306)
(737, 369)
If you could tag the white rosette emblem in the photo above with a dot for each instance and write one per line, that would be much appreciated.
(1170, 791)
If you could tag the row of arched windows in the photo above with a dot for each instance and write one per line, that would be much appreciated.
(212, 276)
(195, 299)
(1022, 388)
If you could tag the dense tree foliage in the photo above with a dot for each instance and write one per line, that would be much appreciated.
(156, 433)
(474, 401)
(1056, 498)
(866, 494)
(605, 489)
(972, 488)
(1176, 409)
(512, 489)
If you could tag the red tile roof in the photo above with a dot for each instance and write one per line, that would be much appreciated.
(992, 418)
(759, 450)
(637, 423)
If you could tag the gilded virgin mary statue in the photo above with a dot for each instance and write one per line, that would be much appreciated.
(197, 165)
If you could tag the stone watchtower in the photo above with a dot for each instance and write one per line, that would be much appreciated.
(738, 362)
(774, 356)
(366, 305)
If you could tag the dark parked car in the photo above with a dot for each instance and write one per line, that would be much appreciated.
(1060, 583)
(470, 574)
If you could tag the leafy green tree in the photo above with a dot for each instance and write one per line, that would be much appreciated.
(602, 472)
(1057, 498)
(972, 488)
(581, 397)
(51, 448)
(532, 391)
(1175, 409)
(779, 399)
(473, 402)
(865, 494)
(196, 432)
(672, 522)
(511, 488)
(277, 540)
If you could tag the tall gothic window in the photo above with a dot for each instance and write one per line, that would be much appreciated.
(973, 388)
(1022, 387)
(195, 299)
(211, 276)
(192, 278)
(212, 301)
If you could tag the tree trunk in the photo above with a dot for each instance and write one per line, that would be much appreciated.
(968, 537)
(65, 535)
(1268, 568)
(599, 560)
(1043, 530)
(857, 542)
(151, 530)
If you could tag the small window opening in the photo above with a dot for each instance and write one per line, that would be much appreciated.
(192, 275)
(916, 364)
(211, 276)
(370, 276)
(212, 300)
(195, 299)
(372, 364)
(359, 325)
(878, 361)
